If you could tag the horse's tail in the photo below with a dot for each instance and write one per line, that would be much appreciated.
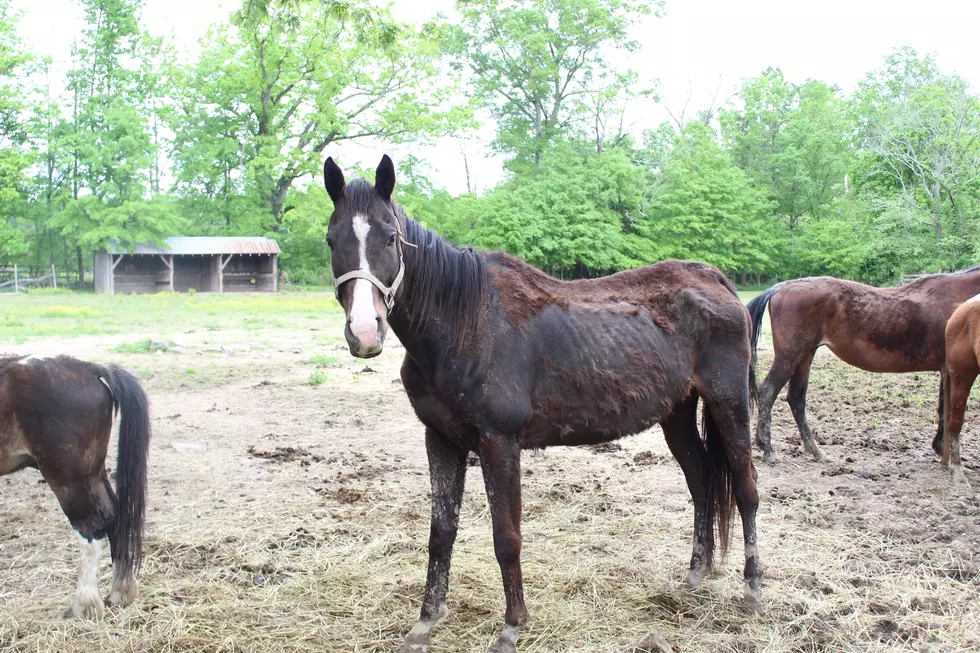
(721, 492)
(757, 308)
(134, 444)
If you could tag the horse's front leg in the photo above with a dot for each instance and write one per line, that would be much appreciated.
(447, 472)
(500, 457)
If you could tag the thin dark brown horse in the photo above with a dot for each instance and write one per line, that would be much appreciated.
(876, 329)
(56, 415)
(962, 368)
(501, 357)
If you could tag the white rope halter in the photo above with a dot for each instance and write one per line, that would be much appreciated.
(387, 292)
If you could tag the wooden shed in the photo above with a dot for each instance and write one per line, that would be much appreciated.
(206, 264)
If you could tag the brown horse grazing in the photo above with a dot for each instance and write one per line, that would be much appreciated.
(55, 416)
(875, 329)
(962, 368)
(501, 357)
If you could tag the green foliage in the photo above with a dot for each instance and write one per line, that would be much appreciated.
(706, 210)
(273, 91)
(318, 377)
(792, 179)
(540, 65)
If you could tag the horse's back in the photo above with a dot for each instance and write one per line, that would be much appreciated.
(52, 407)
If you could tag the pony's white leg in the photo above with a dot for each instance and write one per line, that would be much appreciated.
(125, 587)
(87, 602)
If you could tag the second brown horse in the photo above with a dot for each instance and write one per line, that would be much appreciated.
(876, 329)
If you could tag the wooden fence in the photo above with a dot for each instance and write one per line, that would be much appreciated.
(11, 280)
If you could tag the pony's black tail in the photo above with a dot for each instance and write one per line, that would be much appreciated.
(134, 444)
(721, 492)
(757, 308)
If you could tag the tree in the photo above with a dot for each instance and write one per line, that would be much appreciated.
(541, 67)
(112, 150)
(15, 64)
(283, 84)
(928, 144)
(706, 210)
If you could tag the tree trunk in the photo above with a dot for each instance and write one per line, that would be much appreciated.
(81, 267)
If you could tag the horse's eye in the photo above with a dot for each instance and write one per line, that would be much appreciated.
(391, 241)
(329, 242)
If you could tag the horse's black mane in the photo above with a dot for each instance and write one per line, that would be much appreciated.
(448, 283)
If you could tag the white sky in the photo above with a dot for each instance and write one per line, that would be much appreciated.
(698, 45)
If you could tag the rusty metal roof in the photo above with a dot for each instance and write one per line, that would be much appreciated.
(204, 245)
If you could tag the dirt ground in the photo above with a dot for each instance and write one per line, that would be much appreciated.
(286, 516)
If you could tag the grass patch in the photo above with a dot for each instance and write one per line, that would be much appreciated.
(84, 314)
(138, 347)
(69, 311)
(321, 360)
(318, 377)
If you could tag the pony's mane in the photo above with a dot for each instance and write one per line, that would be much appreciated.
(448, 283)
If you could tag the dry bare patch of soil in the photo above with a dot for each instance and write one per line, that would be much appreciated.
(286, 516)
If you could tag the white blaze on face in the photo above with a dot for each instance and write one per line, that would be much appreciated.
(363, 314)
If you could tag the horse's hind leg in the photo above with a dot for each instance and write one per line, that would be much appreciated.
(728, 406)
(681, 433)
(959, 392)
(780, 372)
(91, 511)
(797, 402)
(937, 442)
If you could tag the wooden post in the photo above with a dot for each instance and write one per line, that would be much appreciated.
(15, 279)
(221, 272)
(275, 273)
(54, 277)
(112, 273)
(170, 267)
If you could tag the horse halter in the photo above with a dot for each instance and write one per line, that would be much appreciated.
(387, 292)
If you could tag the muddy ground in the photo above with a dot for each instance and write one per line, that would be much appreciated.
(286, 516)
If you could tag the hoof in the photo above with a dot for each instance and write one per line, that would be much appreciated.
(818, 455)
(88, 606)
(753, 601)
(960, 484)
(694, 578)
(410, 646)
(504, 646)
(123, 594)
(507, 642)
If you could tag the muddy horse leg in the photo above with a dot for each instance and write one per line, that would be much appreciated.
(500, 458)
(780, 372)
(447, 473)
(797, 402)
(729, 413)
(92, 514)
(937, 442)
(681, 432)
(959, 392)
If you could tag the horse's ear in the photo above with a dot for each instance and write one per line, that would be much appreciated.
(333, 179)
(384, 178)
